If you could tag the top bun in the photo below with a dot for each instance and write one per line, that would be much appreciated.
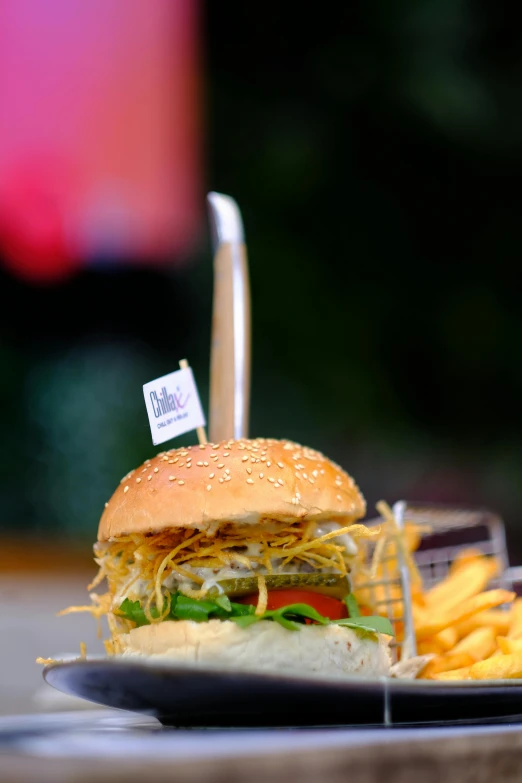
(244, 482)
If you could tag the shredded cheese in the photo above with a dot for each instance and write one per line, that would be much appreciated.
(165, 562)
(400, 539)
(100, 606)
(263, 595)
(377, 571)
(152, 559)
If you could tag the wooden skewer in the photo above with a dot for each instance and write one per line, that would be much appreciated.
(202, 435)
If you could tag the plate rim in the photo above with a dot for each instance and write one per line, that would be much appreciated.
(394, 683)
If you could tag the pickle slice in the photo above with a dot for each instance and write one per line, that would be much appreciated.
(327, 584)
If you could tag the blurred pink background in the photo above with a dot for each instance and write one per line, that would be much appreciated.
(101, 156)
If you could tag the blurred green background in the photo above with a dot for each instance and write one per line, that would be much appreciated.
(375, 151)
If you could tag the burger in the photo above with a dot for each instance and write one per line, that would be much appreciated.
(237, 555)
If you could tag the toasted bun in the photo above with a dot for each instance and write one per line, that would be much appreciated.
(266, 646)
(243, 482)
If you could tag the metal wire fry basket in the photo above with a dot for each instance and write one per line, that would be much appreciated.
(445, 532)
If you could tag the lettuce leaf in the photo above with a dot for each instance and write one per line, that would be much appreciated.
(184, 608)
(373, 624)
(287, 615)
(221, 608)
(245, 620)
(187, 608)
(133, 611)
(351, 604)
(224, 602)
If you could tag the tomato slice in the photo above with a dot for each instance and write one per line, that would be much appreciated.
(328, 607)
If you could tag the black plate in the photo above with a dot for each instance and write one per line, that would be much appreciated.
(195, 697)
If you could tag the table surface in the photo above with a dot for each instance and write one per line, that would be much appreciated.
(105, 744)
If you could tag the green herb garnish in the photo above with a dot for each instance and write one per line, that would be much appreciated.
(373, 624)
(221, 608)
(133, 611)
(352, 605)
(184, 608)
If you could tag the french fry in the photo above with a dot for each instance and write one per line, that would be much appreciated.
(466, 628)
(504, 645)
(515, 628)
(500, 667)
(406, 540)
(480, 644)
(447, 639)
(509, 646)
(477, 603)
(455, 674)
(446, 663)
(468, 580)
(420, 614)
(498, 619)
(417, 595)
(429, 647)
(464, 557)
(412, 536)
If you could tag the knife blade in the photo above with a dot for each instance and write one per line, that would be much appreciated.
(230, 355)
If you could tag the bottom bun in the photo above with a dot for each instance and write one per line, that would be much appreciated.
(263, 647)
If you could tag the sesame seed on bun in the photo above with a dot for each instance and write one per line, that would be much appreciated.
(243, 482)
